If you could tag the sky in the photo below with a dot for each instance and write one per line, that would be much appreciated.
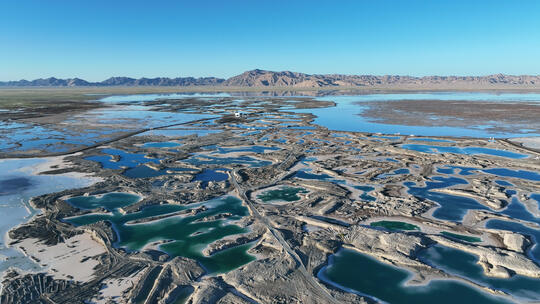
(97, 39)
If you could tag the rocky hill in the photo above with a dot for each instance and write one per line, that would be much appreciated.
(262, 78)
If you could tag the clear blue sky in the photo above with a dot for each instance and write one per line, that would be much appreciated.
(98, 39)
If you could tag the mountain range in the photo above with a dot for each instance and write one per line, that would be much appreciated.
(263, 78)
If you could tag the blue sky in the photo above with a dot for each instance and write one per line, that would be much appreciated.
(98, 39)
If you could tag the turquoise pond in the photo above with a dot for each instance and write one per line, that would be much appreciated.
(306, 175)
(358, 273)
(461, 237)
(395, 226)
(108, 201)
(286, 193)
(466, 150)
(186, 233)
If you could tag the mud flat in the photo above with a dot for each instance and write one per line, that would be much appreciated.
(529, 142)
(271, 207)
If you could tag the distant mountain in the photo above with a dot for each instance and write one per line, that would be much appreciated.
(256, 78)
(115, 81)
(262, 78)
(162, 81)
(47, 82)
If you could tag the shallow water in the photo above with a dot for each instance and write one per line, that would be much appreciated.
(365, 195)
(167, 144)
(135, 98)
(466, 150)
(536, 197)
(143, 117)
(503, 183)
(199, 160)
(359, 273)
(255, 149)
(143, 171)
(347, 115)
(211, 175)
(386, 137)
(19, 184)
(534, 252)
(24, 137)
(452, 207)
(186, 234)
(104, 123)
(305, 175)
(522, 174)
(465, 265)
(432, 140)
(129, 160)
(393, 173)
(517, 210)
(457, 170)
(176, 133)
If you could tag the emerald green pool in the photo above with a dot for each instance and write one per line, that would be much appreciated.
(185, 233)
(395, 225)
(358, 273)
(288, 194)
(108, 201)
(471, 239)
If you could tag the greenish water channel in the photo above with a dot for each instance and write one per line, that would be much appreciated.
(185, 232)
(288, 194)
(362, 274)
(395, 225)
